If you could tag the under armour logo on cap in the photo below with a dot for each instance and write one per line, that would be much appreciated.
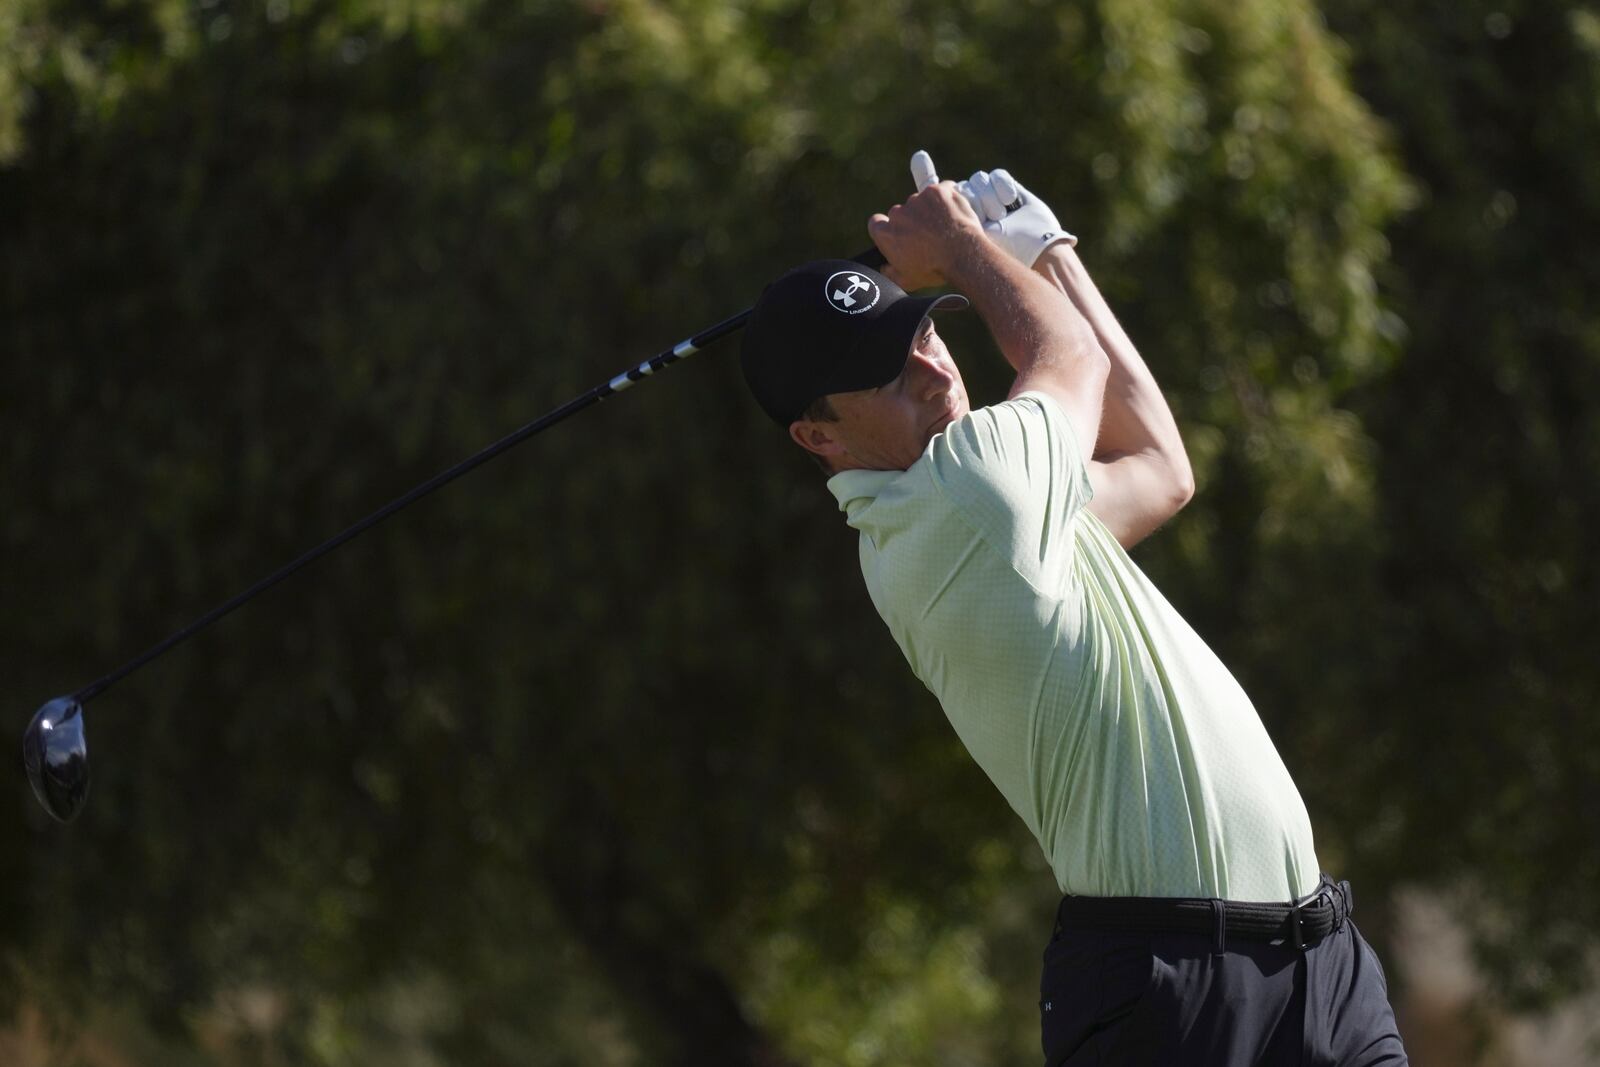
(851, 293)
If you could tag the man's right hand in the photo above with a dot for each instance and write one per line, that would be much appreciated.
(923, 236)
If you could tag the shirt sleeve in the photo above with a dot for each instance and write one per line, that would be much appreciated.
(1015, 472)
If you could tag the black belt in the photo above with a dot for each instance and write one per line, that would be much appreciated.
(1301, 925)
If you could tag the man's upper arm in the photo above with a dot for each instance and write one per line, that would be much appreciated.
(1077, 385)
(1134, 493)
(1017, 476)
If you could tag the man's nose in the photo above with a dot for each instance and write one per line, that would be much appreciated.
(932, 372)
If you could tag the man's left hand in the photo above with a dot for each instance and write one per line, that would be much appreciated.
(1013, 218)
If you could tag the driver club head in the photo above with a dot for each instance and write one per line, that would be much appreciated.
(57, 758)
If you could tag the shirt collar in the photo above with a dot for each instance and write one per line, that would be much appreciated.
(856, 489)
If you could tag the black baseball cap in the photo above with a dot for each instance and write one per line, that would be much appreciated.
(830, 326)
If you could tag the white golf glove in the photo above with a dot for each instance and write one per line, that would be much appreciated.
(1017, 220)
(1014, 218)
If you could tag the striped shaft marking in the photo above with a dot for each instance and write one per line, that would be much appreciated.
(649, 367)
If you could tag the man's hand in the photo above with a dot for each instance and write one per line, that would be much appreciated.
(923, 236)
(1013, 218)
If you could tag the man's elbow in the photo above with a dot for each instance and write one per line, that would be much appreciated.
(1180, 484)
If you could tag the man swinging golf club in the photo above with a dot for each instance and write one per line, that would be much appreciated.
(1195, 926)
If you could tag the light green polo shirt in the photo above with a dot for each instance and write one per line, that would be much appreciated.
(1113, 730)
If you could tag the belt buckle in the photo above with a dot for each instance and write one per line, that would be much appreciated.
(1297, 916)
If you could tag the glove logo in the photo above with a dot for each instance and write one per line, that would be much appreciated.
(851, 293)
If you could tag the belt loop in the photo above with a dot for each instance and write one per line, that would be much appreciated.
(1219, 927)
(1297, 934)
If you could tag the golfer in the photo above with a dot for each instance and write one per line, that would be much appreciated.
(1195, 926)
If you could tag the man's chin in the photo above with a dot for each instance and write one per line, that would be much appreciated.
(939, 425)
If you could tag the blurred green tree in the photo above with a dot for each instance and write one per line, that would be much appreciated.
(1486, 772)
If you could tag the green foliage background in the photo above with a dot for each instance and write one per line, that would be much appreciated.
(602, 756)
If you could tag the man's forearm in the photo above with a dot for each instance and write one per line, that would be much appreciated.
(1135, 418)
(1033, 323)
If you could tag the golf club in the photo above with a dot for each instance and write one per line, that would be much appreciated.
(55, 752)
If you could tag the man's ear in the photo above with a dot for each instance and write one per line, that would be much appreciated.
(816, 437)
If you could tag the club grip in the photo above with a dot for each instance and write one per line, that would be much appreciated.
(870, 258)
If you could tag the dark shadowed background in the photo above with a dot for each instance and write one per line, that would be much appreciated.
(602, 755)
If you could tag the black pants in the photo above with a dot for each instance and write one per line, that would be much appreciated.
(1167, 999)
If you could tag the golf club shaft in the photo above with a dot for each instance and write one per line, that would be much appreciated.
(626, 379)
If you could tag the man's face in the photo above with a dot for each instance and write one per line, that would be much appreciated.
(887, 428)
